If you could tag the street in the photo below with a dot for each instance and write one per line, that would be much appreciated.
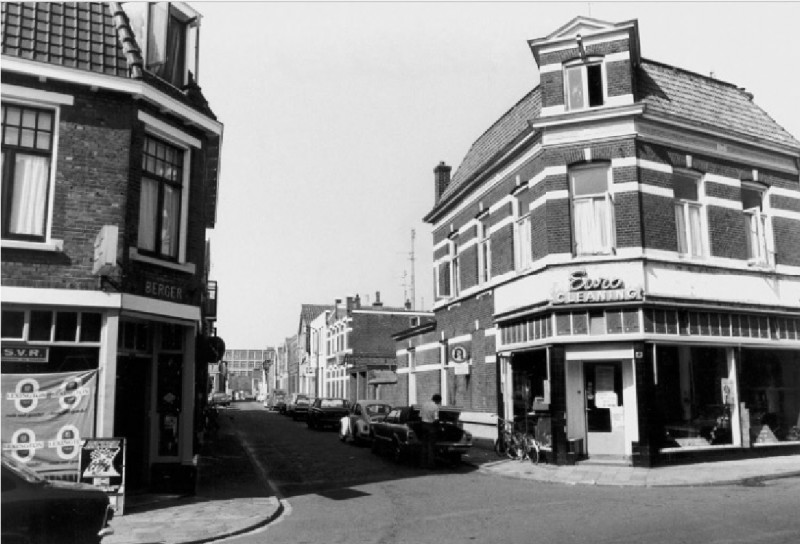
(343, 493)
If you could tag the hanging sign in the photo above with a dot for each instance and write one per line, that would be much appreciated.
(583, 289)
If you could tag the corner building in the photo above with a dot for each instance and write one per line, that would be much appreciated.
(621, 251)
(110, 175)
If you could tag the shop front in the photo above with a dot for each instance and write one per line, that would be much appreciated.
(642, 380)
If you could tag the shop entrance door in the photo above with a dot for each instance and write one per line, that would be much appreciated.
(605, 418)
(132, 417)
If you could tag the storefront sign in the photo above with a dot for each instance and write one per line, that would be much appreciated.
(583, 289)
(102, 464)
(25, 355)
(163, 290)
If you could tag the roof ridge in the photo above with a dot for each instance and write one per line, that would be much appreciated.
(127, 39)
(693, 73)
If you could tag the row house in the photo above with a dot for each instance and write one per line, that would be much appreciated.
(110, 176)
(620, 253)
(309, 332)
(360, 348)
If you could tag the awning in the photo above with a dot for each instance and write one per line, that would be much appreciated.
(376, 377)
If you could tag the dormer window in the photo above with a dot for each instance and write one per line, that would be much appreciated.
(167, 34)
(583, 85)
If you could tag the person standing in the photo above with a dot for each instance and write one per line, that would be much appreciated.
(429, 414)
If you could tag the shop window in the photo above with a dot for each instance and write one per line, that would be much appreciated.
(27, 154)
(694, 395)
(770, 391)
(580, 323)
(41, 326)
(563, 326)
(171, 337)
(66, 326)
(592, 209)
(688, 215)
(597, 323)
(614, 322)
(583, 85)
(160, 199)
(13, 325)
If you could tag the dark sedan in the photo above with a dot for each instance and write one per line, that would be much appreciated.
(327, 412)
(36, 510)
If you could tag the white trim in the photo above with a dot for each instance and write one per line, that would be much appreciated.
(722, 203)
(152, 306)
(633, 186)
(401, 352)
(722, 180)
(547, 68)
(502, 223)
(26, 94)
(598, 352)
(785, 214)
(50, 245)
(376, 310)
(404, 370)
(618, 56)
(560, 194)
(780, 191)
(602, 35)
(188, 268)
(428, 368)
(490, 332)
(490, 359)
(459, 339)
(619, 100)
(427, 347)
(168, 132)
(508, 199)
(653, 165)
(60, 297)
(622, 162)
(137, 88)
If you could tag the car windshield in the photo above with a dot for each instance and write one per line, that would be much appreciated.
(22, 470)
(333, 403)
(377, 409)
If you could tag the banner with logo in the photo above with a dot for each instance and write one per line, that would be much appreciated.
(46, 416)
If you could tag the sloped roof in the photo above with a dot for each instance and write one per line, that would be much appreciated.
(665, 90)
(701, 100)
(503, 132)
(309, 312)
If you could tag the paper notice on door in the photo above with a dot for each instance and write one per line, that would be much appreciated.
(617, 417)
(606, 399)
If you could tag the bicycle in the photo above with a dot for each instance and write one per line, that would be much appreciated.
(537, 440)
(510, 442)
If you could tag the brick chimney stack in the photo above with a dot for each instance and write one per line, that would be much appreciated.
(441, 178)
(377, 299)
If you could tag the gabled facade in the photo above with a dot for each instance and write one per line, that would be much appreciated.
(310, 331)
(622, 247)
(110, 174)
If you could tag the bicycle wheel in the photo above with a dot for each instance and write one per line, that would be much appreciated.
(500, 447)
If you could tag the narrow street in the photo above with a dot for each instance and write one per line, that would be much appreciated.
(343, 493)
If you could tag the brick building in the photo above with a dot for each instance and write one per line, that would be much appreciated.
(621, 251)
(360, 350)
(110, 173)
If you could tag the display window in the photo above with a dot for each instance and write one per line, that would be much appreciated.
(695, 397)
(770, 393)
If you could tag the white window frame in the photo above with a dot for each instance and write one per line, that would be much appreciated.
(685, 238)
(523, 239)
(455, 270)
(14, 95)
(763, 222)
(606, 197)
(581, 67)
(484, 253)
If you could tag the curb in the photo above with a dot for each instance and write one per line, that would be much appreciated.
(269, 519)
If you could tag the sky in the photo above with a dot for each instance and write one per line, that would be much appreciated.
(336, 114)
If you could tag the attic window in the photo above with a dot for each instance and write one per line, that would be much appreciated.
(583, 85)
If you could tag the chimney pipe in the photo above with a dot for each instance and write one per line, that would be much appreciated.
(358, 301)
(441, 179)
(349, 303)
(377, 299)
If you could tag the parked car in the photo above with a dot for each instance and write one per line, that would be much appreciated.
(219, 399)
(399, 433)
(292, 403)
(36, 510)
(275, 400)
(301, 408)
(357, 425)
(326, 412)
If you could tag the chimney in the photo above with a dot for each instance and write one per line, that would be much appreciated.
(408, 304)
(441, 179)
(377, 299)
(358, 301)
(349, 303)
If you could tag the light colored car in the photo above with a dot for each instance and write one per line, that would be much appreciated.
(357, 425)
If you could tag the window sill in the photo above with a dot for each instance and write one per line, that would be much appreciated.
(52, 245)
(188, 268)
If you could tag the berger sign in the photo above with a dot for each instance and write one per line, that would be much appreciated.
(583, 289)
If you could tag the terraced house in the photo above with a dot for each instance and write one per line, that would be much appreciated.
(110, 176)
(621, 251)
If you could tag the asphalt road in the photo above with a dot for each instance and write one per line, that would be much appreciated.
(343, 493)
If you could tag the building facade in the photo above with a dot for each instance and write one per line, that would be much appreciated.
(310, 330)
(110, 175)
(620, 252)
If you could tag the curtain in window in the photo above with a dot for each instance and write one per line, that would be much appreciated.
(157, 36)
(169, 221)
(29, 201)
(575, 87)
(148, 206)
(592, 220)
(680, 227)
(176, 40)
(756, 225)
(694, 222)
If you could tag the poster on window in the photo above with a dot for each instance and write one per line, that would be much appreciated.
(45, 418)
(102, 464)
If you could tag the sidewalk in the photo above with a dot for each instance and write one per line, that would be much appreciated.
(748, 471)
(231, 498)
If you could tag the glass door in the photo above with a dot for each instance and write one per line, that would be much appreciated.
(605, 419)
